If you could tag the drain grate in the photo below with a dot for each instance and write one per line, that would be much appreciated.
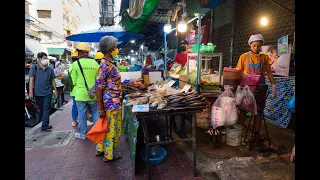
(48, 140)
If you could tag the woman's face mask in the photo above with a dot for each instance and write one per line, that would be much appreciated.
(115, 52)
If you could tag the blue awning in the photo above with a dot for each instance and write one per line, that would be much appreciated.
(28, 52)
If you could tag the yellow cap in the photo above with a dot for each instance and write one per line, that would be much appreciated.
(99, 55)
(74, 53)
(83, 47)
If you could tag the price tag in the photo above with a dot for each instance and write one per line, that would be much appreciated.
(186, 88)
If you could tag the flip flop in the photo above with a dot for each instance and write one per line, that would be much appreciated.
(117, 156)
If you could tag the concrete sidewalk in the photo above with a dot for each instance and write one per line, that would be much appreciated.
(56, 154)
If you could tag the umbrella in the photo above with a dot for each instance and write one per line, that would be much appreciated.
(96, 34)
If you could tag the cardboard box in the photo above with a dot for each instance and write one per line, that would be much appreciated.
(146, 79)
(183, 77)
(182, 84)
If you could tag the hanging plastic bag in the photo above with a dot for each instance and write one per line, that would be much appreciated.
(239, 95)
(291, 104)
(217, 116)
(222, 108)
(248, 102)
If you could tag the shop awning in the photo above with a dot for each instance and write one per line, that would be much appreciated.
(34, 46)
(56, 51)
(28, 52)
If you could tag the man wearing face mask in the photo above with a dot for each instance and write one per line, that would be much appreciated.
(83, 75)
(42, 81)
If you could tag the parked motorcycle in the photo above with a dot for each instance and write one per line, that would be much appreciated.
(32, 112)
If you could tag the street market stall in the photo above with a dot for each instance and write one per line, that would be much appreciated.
(160, 100)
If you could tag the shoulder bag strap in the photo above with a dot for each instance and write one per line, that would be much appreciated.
(85, 82)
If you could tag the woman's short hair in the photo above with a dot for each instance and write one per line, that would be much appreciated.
(107, 43)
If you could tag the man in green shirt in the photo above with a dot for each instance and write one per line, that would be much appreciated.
(88, 74)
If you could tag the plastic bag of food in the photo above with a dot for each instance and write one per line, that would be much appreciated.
(248, 102)
(217, 117)
(239, 95)
(224, 110)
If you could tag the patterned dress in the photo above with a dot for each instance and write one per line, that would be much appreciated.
(109, 80)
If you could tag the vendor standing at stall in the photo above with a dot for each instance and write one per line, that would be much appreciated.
(255, 62)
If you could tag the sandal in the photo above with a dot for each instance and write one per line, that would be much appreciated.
(117, 156)
(99, 153)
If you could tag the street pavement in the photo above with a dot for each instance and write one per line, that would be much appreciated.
(56, 154)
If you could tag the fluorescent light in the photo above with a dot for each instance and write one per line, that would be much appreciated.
(132, 50)
(132, 41)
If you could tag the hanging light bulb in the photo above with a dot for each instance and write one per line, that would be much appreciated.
(167, 28)
(182, 26)
(132, 51)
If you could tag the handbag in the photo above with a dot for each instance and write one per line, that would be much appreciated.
(91, 91)
(98, 131)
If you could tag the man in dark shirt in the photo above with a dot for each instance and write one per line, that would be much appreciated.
(41, 84)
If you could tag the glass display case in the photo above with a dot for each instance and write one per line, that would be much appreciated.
(210, 73)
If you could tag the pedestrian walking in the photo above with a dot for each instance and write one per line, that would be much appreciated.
(74, 111)
(42, 82)
(83, 75)
(109, 97)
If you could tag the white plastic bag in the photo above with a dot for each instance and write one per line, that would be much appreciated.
(217, 116)
(224, 110)
(248, 102)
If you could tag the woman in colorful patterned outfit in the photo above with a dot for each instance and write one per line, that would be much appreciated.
(255, 62)
(109, 97)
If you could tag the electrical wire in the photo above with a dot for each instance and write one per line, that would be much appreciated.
(90, 10)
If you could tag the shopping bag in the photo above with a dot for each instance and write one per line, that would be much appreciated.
(98, 131)
(248, 102)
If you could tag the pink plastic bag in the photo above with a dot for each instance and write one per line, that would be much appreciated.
(250, 79)
(247, 102)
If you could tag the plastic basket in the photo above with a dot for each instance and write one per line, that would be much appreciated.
(203, 48)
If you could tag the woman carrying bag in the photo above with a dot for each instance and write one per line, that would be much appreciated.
(109, 98)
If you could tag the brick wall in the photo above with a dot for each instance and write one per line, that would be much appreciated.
(247, 19)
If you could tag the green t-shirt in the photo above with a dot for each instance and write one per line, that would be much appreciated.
(90, 69)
